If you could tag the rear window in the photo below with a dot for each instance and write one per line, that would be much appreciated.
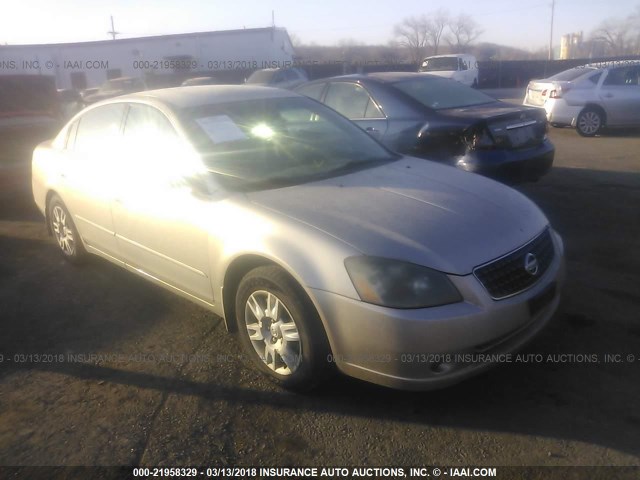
(441, 93)
(441, 64)
(569, 75)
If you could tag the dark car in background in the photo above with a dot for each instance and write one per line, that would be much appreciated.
(439, 119)
(278, 77)
(30, 112)
(115, 87)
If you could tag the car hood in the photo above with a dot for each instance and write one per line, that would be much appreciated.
(414, 210)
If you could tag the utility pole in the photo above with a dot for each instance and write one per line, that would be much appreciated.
(113, 32)
(553, 6)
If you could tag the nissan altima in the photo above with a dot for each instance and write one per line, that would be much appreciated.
(318, 246)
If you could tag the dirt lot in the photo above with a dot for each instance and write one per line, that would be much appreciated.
(169, 388)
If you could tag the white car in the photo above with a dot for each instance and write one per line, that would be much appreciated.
(590, 97)
(460, 67)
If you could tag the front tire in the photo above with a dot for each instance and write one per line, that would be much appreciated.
(590, 122)
(280, 330)
(65, 232)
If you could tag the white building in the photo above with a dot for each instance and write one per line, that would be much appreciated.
(89, 64)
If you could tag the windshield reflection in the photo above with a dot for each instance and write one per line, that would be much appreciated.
(279, 141)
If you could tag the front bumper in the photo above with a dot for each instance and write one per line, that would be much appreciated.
(424, 349)
(517, 164)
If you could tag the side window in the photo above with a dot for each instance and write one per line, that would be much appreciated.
(148, 130)
(98, 130)
(595, 78)
(352, 101)
(625, 76)
(633, 76)
(153, 147)
(462, 65)
(314, 91)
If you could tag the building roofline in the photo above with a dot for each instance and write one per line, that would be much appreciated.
(122, 41)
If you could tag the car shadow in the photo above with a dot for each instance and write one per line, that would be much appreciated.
(627, 132)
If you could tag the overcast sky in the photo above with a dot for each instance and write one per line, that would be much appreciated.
(524, 25)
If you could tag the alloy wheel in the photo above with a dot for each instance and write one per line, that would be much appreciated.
(62, 231)
(589, 123)
(273, 332)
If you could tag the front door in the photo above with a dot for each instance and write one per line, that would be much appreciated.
(161, 224)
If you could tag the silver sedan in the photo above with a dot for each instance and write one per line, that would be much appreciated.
(591, 97)
(317, 245)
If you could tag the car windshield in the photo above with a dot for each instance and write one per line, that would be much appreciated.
(440, 64)
(441, 93)
(275, 142)
(261, 76)
(572, 74)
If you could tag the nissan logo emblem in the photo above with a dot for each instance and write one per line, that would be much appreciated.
(531, 264)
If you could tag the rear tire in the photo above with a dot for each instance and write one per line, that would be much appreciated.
(280, 330)
(65, 232)
(590, 122)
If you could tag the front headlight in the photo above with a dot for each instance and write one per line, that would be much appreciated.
(398, 284)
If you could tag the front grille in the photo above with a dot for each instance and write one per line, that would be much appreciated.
(507, 276)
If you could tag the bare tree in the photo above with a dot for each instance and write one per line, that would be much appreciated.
(295, 40)
(463, 30)
(436, 23)
(620, 36)
(635, 30)
(614, 34)
(411, 34)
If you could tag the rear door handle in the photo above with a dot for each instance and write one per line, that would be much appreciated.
(608, 95)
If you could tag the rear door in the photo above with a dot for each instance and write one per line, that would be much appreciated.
(620, 95)
(90, 176)
(354, 102)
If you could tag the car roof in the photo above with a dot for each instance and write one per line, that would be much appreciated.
(193, 96)
(611, 63)
(381, 77)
